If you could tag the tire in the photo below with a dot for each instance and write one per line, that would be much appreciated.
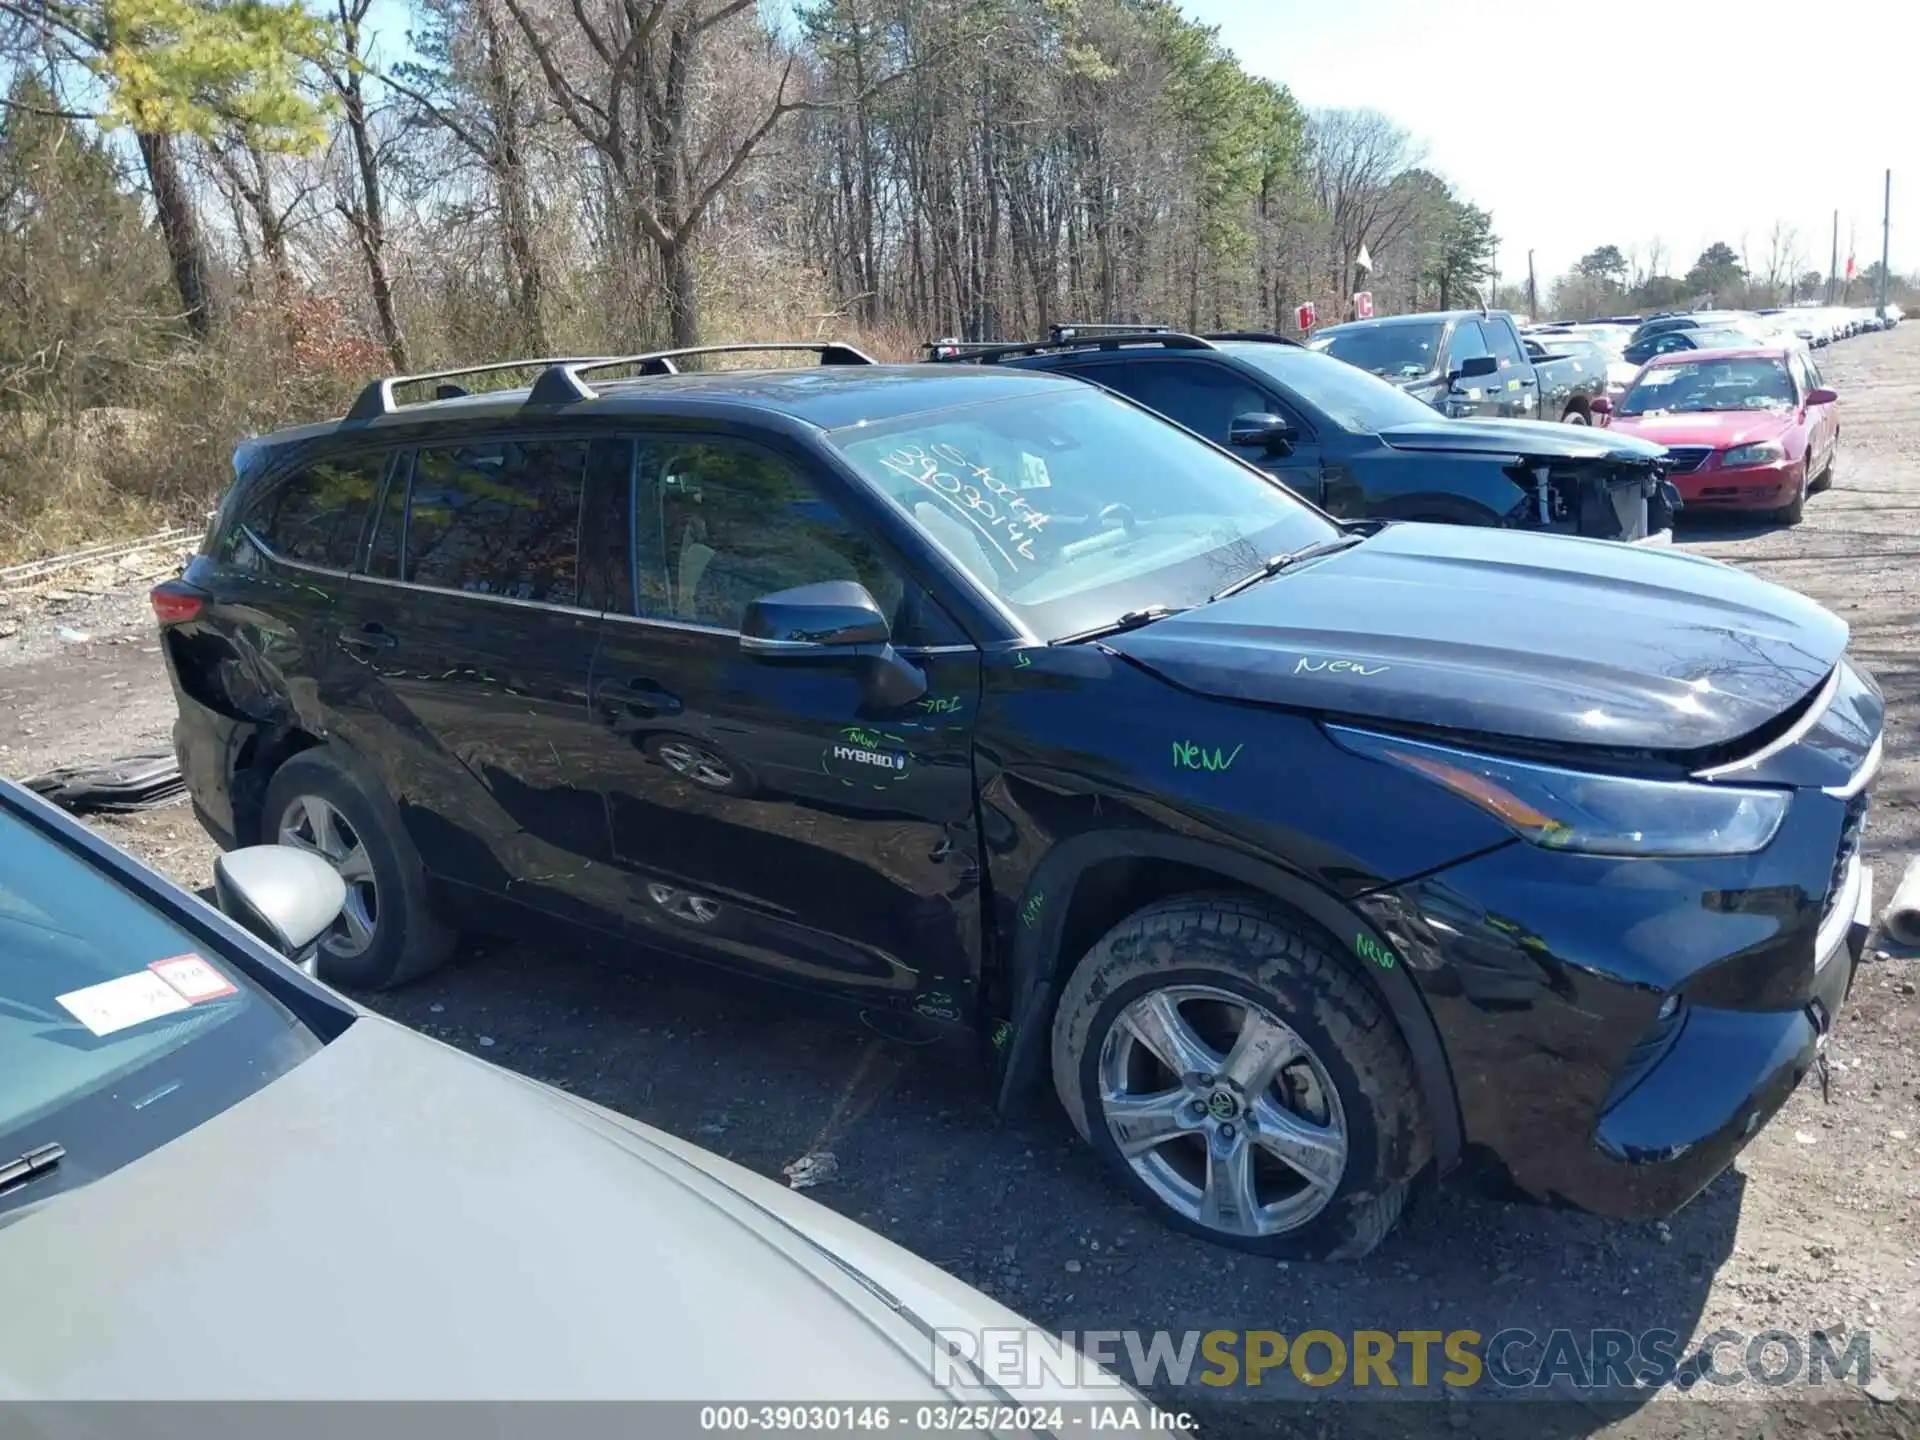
(702, 763)
(1824, 480)
(1576, 417)
(1212, 958)
(373, 853)
(1794, 513)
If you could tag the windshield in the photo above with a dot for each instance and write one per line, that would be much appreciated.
(1075, 507)
(1404, 352)
(1352, 399)
(118, 1031)
(1746, 383)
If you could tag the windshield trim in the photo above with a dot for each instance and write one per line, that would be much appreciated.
(311, 1005)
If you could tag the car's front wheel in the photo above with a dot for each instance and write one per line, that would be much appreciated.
(386, 934)
(1241, 1079)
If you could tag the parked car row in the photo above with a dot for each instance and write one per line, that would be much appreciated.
(1304, 855)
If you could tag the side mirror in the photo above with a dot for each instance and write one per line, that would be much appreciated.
(1602, 408)
(286, 897)
(1474, 366)
(834, 615)
(833, 620)
(1274, 433)
(1820, 395)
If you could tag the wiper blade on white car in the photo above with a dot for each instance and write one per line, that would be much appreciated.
(1274, 564)
(30, 1166)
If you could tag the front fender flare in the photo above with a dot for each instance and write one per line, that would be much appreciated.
(1037, 969)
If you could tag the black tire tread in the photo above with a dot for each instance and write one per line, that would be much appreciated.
(1259, 943)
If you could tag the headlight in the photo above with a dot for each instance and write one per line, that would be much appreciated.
(1589, 813)
(1764, 453)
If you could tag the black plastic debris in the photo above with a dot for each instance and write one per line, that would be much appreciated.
(138, 782)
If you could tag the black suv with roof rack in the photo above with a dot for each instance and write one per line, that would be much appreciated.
(1354, 444)
(1307, 856)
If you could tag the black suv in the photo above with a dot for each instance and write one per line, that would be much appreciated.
(1307, 856)
(1354, 444)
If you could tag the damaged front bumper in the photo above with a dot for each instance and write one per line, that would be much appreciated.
(1599, 500)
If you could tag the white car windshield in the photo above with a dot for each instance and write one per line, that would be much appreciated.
(118, 1030)
(1074, 507)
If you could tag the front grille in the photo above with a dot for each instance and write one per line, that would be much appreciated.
(1683, 458)
(1851, 829)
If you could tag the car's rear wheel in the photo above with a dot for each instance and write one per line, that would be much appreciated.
(1576, 417)
(1240, 1079)
(386, 934)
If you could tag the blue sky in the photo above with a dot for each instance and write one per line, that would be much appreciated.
(1626, 121)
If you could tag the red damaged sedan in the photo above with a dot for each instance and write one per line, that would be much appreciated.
(1748, 429)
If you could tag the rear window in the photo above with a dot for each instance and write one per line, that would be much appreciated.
(316, 515)
(501, 518)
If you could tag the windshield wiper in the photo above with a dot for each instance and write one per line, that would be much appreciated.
(1132, 620)
(30, 1166)
(1274, 564)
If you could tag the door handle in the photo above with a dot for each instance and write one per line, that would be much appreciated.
(369, 637)
(637, 695)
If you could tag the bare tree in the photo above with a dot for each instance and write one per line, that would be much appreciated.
(363, 203)
(1354, 158)
(634, 95)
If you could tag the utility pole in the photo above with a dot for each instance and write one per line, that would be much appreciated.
(1833, 265)
(1533, 295)
(1886, 231)
(1493, 281)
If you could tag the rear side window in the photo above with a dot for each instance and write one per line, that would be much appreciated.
(316, 515)
(501, 518)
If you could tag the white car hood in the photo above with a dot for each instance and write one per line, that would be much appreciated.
(394, 1219)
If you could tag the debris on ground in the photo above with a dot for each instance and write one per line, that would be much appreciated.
(816, 1167)
(1881, 1390)
(70, 636)
(139, 782)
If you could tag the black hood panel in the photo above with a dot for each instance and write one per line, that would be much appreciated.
(1527, 439)
(1540, 638)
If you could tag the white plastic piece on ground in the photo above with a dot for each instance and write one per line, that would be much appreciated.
(1902, 915)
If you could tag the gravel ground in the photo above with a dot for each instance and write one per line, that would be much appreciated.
(1816, 1227)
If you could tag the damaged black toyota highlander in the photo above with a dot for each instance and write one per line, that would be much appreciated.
(1360, 447)
(1308, 858)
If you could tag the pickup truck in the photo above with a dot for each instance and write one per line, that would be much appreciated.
(1468, 363)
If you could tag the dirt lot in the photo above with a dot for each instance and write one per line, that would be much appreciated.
(1817, 1227)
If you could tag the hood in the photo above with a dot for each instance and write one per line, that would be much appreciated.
(1717, 429)
(1530, 439)
(1536, 637)
(394, 1219)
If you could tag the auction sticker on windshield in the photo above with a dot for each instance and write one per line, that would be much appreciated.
(193, 977)
(117, 1004)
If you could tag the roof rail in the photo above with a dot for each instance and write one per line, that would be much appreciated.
(562, 385)
(377, 399)
(988, 351)
(1077, 329)
(1265, 337)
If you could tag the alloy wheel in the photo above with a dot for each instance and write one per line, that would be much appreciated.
(696, 763)
(1223, 1110)
(317, 826)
